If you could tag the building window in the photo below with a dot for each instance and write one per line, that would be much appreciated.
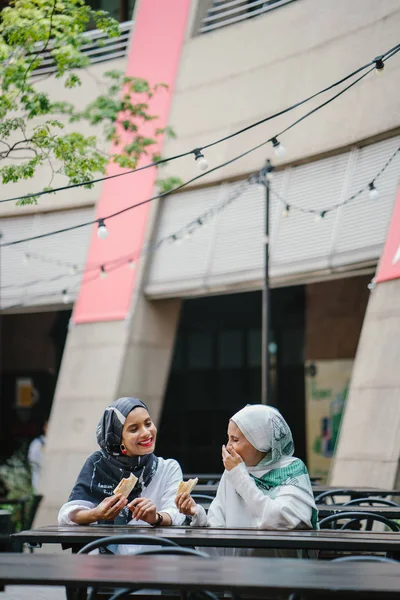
(121, 10)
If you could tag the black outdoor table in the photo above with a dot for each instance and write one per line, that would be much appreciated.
(76, 536)
(326, 510)
(255, 576)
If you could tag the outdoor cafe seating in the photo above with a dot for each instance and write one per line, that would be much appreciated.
(358, 536)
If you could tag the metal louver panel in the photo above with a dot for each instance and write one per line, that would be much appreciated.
(364, 222)
(228, 254)
(302, 243)
(50, 260)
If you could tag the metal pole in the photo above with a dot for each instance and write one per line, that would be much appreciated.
(266, 310)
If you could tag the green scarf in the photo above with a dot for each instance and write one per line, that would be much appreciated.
(294, 474)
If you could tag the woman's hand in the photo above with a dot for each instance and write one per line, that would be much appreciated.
(143, 510)
(230, 459)
(186, 505)
(110, 507)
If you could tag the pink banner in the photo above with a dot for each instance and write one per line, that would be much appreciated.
(389, 266)
(156, 45)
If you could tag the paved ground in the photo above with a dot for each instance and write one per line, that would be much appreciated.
(32, 593)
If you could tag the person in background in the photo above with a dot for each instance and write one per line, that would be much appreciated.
(263, 485)
(35, 456)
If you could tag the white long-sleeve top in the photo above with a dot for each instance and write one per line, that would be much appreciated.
(240, 503)
(161, 491)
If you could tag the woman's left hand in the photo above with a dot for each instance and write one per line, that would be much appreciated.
(230, 459)
(143, 510)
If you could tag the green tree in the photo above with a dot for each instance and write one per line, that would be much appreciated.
(33, 130)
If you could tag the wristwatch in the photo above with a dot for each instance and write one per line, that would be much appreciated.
(159, 521)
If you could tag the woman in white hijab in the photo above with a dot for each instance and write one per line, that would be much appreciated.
(263, 485)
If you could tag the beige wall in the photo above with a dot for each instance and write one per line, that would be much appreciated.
(239, 74)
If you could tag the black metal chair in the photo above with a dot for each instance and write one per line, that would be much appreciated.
(330, 494)
(103, 543)
(203, 499)
(131, 539)
(365, 559)
(354, 517)
(126, 592)
(371, 501)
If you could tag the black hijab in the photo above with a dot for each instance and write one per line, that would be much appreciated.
(104, 469)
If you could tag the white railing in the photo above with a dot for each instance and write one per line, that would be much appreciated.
(98, 47)
(226, 12)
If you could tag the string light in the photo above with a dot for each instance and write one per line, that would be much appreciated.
(26, 258)
(203, 220)
(378, 61)
(278, 148)
(379, 65)
(102, 231)
(372, 284)
(131, 264)
(321, 215)
(373, 192)
(201, 161)
(65, 297)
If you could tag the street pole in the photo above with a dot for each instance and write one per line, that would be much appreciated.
(265, 179)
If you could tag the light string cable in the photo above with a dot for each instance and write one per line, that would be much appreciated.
(190, 228)
(273, 139)
(378, 60)
(370, 186)
(196, 223)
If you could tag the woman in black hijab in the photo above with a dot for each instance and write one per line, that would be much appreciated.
(126, 436)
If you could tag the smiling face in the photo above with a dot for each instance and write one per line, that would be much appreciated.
(236, 440)
(139, 433)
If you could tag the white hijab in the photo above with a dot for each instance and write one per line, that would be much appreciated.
(266, 430)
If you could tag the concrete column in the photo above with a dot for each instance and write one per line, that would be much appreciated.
(368, 451)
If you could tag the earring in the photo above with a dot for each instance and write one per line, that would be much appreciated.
(123, 449)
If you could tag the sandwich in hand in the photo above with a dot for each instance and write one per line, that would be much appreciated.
(187, 486)
(125, 486)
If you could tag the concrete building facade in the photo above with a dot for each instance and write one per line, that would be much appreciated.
(123, 329)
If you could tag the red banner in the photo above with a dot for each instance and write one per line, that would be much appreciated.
(155, 49)
(389, 266)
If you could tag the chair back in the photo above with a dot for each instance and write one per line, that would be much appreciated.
(125, 593)
(365, 559)
(371, 501)
(353, 517)
(129, 539)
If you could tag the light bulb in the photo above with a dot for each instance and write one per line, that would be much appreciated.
(26, 258)
(131, 264)
(372, 284)
(379, 65)
(278, 148)
(102, 230)
(65, 297)
(373, 192)
(200, 160)
(286, 212)
(270, 176)
(320, 216)
(73, 270)
(103, 272)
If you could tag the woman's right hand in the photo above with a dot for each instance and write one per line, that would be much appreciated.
(110, 507)
(186, 505)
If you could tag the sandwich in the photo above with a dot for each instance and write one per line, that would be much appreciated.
(187, 486)
(125, 486)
